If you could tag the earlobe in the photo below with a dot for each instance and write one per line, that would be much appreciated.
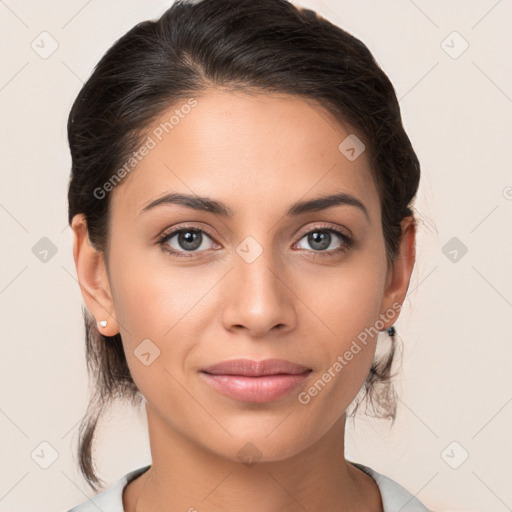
(93, 278)
(399, 274)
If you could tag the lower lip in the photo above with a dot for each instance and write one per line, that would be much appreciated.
(255, 389)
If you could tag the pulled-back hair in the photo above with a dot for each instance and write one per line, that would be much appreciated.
(263, 46)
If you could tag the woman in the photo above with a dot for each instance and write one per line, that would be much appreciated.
(240, 199)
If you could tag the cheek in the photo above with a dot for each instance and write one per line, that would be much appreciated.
(165, 304)
(348, 301)
(154, 309)
(152, 295)
(348, 298)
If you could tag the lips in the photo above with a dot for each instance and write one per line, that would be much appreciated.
(252, 368)
(247, 380)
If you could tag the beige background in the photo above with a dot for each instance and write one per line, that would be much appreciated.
(455, 380)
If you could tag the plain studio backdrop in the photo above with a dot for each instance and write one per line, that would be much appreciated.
(450, 65)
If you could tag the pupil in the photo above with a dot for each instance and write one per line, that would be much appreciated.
(190, 240)
(322, 238)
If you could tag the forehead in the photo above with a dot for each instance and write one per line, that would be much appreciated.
(250, 151)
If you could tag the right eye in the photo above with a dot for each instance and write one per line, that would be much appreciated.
(187, 239)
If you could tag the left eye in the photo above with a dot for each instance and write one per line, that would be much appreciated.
(321, 239)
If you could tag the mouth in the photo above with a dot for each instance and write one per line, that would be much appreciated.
(255, 381)
(253, 368)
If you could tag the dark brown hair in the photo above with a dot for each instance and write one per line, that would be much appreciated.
(264, 46)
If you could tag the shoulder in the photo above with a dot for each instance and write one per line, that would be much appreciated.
(394, 496)
(111, 499)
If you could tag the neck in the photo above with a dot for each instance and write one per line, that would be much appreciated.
(185, 476)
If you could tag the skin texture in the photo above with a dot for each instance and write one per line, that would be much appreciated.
(258, 154)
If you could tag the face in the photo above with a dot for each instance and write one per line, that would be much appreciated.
(189, 287)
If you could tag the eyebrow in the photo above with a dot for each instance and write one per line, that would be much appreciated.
(217, 208)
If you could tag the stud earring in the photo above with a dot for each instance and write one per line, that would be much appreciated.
(392, 332)
(103, 323)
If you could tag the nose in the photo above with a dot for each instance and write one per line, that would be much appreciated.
(259, 297)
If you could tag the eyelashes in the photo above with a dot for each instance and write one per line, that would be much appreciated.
(192, 235)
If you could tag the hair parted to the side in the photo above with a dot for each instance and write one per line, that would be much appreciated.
(264, 46)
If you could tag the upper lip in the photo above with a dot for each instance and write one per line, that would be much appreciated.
(252, 368)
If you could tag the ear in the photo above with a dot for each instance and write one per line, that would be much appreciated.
(399, 273)
(93, 278)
